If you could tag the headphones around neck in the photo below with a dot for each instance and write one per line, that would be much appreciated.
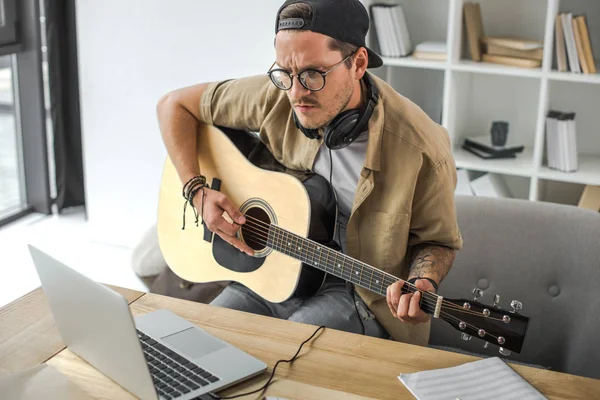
(348, 125)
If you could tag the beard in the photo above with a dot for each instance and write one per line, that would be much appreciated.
(324, 115)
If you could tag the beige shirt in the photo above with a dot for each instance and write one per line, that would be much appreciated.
(405, 194)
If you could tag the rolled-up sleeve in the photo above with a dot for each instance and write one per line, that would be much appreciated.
(433, 218)
(237, 103)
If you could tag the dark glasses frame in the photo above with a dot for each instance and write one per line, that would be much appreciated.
(304, 71)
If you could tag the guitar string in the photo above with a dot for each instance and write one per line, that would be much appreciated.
(430, 301)
(370, 269)
(261, 240)
(423, 299)
(390, 279)
(444, 315)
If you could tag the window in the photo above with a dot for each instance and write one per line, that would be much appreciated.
(24, 177)
(12, 197)
(8, 18)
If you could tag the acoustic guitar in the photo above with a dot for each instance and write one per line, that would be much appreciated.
(290, 224)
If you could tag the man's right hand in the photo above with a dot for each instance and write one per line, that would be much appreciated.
(215, 204)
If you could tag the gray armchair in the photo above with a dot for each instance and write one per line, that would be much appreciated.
(545, 255)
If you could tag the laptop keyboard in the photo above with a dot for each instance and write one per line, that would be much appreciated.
(173, 375)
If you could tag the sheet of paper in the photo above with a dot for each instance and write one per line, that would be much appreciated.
(39, 382)
(489, 378)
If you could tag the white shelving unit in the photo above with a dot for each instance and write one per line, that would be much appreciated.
(466, 96)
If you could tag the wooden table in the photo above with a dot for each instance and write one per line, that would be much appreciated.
(333, 365)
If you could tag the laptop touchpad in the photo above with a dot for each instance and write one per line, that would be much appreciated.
(193, 343)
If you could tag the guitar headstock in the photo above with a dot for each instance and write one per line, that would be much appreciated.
(504, 328)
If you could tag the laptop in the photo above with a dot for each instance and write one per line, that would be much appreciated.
(158, 355)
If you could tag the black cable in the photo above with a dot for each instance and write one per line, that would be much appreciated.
(356, 308)
(263, 387)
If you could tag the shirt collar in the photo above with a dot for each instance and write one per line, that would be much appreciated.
(373, 157)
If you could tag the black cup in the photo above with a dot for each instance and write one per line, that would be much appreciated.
(499, 133)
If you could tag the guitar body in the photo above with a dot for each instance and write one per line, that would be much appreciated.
(290, 225)
(197, 255)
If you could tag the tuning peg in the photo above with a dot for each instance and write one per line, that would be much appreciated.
(477, 294)
(465, 336)
(516, 305)
(504, 351)
(496, 300)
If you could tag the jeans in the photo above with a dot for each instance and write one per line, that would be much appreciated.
(332, 306)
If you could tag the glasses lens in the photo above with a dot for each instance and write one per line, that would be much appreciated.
(281, 79)
(313, 80)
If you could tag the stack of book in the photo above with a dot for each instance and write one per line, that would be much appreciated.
(435, 51)
(391, 29)
(572, 42)
(513, 51)
(519, 52)
(483, 147)
(561, 141)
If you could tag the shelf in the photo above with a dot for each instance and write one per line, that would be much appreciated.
(496, 69)
(587, 174)
(413, 62)
(520, 166)
(573, 77)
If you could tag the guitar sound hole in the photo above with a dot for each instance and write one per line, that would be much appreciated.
(256, 229)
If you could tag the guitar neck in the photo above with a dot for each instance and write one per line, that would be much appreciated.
(334, 263)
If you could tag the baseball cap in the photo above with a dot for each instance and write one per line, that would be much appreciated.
(345, 20)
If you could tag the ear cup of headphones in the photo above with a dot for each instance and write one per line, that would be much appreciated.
(348, 125)
(339, 132)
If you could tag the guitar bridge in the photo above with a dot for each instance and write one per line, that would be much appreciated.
(438, 307)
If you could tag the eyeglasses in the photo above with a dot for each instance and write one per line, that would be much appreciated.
(312, 79)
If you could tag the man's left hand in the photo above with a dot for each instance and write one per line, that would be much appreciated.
(405, 306)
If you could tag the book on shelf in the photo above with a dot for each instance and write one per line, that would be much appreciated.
(485, 154)
(512, 61)
(391, 29)
(559, 36)
(586, 44)
(484, 144)
(567, 23)
(579, 47)
(497, 50)
(435, 51)
(561, 141)
(474, 29)
(513, 51)
(573, 45)
(514, 43)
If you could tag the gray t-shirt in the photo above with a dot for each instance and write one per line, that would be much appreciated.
(347, 164)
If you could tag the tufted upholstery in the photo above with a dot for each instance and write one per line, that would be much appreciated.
(545, 255)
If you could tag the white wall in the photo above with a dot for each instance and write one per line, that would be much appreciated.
(130, 54)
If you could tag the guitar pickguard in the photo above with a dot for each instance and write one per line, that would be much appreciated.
(231, 258)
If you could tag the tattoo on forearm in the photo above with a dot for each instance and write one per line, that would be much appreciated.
(432, 261)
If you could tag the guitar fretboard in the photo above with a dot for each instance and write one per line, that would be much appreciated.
(328, 260)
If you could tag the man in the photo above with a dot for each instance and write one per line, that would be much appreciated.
(394, 182)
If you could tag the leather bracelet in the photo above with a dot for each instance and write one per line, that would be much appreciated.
(195, 180)
(413, 280)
